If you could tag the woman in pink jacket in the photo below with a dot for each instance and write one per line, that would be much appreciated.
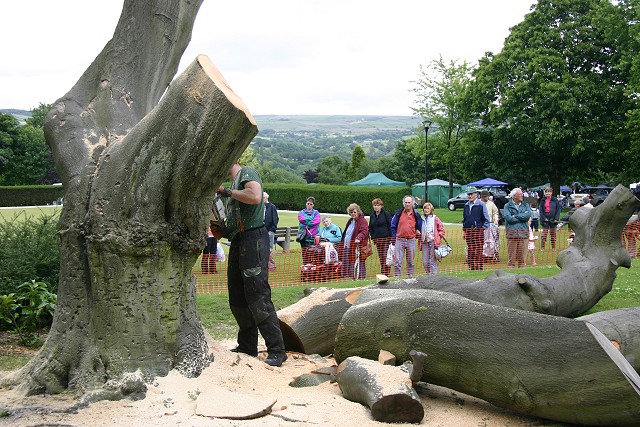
(432, 233)
(355, 235)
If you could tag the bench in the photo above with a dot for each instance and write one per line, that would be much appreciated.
(284, 236)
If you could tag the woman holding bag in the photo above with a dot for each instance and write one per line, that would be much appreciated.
(432, 233)
(356, 235)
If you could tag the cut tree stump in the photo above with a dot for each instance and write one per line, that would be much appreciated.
(309, 326)
(386, 390)
(547, 366)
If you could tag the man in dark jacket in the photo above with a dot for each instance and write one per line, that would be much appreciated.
(405, 227)
(549, 209)
(475, 219)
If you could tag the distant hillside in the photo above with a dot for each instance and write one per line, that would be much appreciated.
(298, 142)
(336, 125)
(21, 115)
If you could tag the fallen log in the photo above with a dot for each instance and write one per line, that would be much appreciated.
(547, 366)
(622, 328)
(386, 390)
(309, 326)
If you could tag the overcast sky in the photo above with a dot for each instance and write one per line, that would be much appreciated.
(280, 56)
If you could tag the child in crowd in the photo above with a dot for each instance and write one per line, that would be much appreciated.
(532, 244)
(535, 217)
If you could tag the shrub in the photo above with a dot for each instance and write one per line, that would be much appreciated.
(29, 250)
(28, 313)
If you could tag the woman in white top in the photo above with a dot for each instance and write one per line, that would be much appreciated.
(431, 235)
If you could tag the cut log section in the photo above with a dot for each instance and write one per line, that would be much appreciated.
(546, 366)
(386, 390)
(310, 325)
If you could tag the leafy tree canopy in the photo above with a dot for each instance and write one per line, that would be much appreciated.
(554, 96)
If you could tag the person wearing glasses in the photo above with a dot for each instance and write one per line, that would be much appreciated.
(308, 219)
(356, 234)
(405, 227)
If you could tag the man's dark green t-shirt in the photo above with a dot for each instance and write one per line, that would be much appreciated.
(252, 216)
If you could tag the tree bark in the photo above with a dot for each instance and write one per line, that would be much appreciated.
(547, 366)
(622, 328)
(138, 189)
(386, 390)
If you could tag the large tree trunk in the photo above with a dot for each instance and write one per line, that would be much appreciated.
(138, 189)
(547, 366)
(587, 274)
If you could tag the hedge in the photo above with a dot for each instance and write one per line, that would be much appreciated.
(31, 195)
(334, 198)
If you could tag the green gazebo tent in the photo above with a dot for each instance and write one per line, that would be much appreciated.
(377, 179)
(438, 191)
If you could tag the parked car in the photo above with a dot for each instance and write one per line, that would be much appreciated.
(595, 194)
(500, 194)
(458, 201)
(500, 197)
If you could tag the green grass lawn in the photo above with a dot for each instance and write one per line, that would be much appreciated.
(217, 319)
(8, 214)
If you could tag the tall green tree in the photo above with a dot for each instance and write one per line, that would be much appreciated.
(358, 167)
(23, 153)
(440, 93)
(38, 115)
(403, 165)
(270, 174)
(553, 98)
(333, 170)
(627, 35)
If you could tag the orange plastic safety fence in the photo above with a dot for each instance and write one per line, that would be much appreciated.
(317, 266)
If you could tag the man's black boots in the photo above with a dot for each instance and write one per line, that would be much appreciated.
(248, 332)
(270, 331)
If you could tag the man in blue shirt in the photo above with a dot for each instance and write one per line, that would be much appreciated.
(475, 219)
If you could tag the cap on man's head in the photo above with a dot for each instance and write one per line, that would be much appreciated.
(484, 193)
(586, 200)
(471, 191)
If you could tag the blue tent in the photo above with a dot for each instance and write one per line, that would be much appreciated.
(486, 182)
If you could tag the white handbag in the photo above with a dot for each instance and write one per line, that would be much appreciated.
(391, 255)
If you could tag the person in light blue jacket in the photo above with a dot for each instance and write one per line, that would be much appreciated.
(516, 221)
(329, 232)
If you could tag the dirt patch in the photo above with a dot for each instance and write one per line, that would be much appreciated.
(174, 400)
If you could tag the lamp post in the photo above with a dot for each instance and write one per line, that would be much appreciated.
(427, 125)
